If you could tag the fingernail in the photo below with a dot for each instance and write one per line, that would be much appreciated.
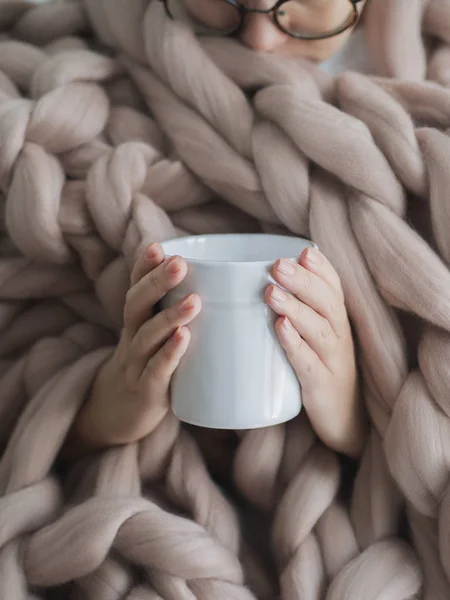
(152, 250)
(277, 294)
(286, 267)
(187, 304)
(287, 324)
(172, 265)
(313, 256)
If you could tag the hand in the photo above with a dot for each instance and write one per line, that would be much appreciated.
(131, 394)
(315, 332)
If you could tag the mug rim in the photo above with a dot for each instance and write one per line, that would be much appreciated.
(224, 263)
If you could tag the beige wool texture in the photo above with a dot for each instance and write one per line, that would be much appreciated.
(118, 127)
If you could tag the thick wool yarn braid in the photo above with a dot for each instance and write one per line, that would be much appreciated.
(88, 176)
(331, 164)
(119, 472)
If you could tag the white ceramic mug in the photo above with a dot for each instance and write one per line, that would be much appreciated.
(235, 374)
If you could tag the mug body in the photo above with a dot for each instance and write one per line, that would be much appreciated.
(235, 374)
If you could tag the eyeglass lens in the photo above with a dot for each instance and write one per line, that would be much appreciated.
(301, 18)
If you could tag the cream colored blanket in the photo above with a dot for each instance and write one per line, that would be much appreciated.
(237, 141)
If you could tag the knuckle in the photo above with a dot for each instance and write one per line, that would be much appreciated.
(336, 308)
(336, 305)
(326, 332)
(298, 309)
(308, 279)
(153, 280)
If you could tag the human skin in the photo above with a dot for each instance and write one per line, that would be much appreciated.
(261, 33)
(131, 394)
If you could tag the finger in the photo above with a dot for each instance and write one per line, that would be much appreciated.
(150, 257)
(313, 376)
(155, 382)
(318, 263)
(305, 362)
(312, 327)
(160, 368)
(155, 332)
(313, 291)
(142, 297)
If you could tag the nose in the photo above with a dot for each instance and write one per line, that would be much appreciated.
(260, 32)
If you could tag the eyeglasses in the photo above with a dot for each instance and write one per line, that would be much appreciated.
(300, 19)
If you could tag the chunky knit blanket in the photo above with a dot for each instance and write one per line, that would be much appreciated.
(119, 127)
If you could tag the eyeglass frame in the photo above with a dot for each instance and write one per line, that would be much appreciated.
(243, 10)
